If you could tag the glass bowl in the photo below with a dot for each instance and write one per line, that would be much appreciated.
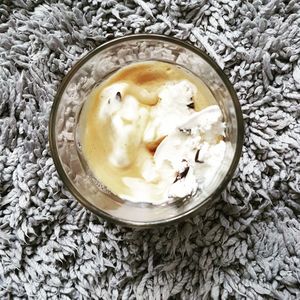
(89, 72)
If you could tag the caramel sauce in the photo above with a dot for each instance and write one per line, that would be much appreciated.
(141, 74)
(151, 147)
(145, 80)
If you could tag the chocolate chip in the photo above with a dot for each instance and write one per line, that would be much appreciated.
(191, 105)
(118, 96)
(185, 130)
(197, 157)
(181, 175)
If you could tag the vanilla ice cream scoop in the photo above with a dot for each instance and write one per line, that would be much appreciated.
(195, 150)
(126, 119)
(174, 105)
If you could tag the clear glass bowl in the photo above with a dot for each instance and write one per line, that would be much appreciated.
(92, 70)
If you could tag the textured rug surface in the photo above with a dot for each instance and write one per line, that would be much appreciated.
(246, 246)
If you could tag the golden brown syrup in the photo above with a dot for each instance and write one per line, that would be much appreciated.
(145, 80)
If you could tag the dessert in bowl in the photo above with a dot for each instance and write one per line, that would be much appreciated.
(145, 130)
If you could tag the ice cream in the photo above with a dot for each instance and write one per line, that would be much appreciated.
(154, 141)
(186, 160)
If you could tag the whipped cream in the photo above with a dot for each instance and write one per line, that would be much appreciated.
(187, 146)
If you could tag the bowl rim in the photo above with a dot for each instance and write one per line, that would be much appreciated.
(182, 216)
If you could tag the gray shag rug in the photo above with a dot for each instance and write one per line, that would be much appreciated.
(245, 246)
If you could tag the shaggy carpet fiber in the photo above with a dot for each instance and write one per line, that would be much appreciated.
(245, 246)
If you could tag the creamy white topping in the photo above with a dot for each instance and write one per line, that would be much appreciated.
(191, 149)
(171, 109)
(195, 145)
(127, 119)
